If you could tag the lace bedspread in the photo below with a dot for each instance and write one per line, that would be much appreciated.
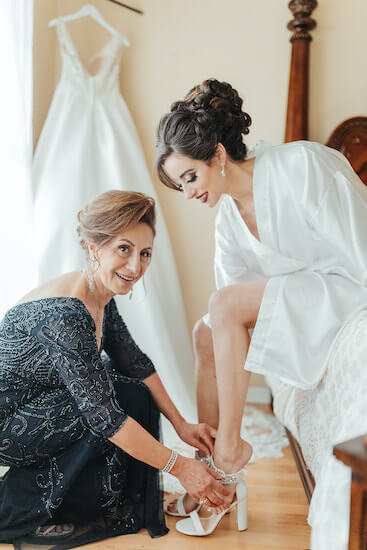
(333, 412)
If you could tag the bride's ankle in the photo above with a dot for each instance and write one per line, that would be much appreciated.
(234, 458)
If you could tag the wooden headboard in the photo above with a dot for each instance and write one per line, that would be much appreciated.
(350, 137)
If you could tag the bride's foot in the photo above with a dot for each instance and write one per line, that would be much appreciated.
(232, 458)
(231, 462)
(206, 523)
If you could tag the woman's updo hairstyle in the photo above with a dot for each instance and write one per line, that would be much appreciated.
(210, 113)
(113, 212)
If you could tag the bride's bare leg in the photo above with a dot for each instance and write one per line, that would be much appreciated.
(206, 380)
(221, 381)
(206, 390)
(233, 310)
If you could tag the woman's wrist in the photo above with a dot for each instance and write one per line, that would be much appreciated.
(170, 462)
(178, 423)
(178, 466)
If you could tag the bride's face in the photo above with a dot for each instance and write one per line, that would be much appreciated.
(198, 179)
(124, 259)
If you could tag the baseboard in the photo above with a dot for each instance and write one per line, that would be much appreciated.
(258, 394)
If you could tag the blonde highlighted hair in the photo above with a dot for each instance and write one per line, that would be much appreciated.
(113, 212)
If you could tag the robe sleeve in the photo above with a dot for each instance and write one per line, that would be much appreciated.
(339, 213)
(70, 343)
(127, 357)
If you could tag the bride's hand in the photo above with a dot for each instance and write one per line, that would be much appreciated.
(201, 436)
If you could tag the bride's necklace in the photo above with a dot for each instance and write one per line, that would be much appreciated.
(90, 283)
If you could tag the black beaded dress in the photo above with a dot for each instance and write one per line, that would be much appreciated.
(60, 400)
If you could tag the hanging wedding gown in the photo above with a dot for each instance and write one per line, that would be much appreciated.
(89, 145)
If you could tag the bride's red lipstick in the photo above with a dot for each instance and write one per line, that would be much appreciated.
(203, 197)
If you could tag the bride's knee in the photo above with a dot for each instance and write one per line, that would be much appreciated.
(221, 306)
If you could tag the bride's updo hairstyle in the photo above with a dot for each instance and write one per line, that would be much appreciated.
(112, 213)
(210, 113)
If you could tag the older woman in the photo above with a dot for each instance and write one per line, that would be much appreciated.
(290, 258)
(80, 402)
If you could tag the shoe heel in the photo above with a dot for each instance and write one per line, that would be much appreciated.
(241, 493)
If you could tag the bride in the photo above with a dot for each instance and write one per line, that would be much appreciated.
(290, 258)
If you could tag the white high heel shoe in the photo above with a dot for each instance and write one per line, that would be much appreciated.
(181, 512)
(201, 527)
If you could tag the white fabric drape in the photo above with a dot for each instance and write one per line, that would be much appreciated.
(89, 145)
(17, 273)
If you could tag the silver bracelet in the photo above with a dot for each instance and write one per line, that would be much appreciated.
(171, 462)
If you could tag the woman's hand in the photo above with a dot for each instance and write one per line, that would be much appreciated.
(201, 482)
(201, 436)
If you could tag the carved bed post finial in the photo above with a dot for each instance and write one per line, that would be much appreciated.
(297, 109)
(302, 22)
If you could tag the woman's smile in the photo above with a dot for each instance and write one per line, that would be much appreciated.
(128, 279)
(203, 197)
(196, 178)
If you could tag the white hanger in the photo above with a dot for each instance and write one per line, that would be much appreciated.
(91, 11)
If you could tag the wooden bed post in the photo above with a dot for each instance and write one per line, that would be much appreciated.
(297, 108)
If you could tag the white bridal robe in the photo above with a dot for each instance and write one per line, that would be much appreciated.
(311, 213)
(89, 145)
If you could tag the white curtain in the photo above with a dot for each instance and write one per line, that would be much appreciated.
(17, 273)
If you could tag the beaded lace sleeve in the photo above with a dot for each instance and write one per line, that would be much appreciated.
(118, 343)
(70, 343)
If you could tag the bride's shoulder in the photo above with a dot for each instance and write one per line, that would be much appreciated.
(297, 150)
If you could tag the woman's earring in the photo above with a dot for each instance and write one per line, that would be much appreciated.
(94, 264)
(223, 172)
(88, 275)
(131, 294)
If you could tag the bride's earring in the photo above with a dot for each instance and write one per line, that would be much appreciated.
(131, 294)
(223, 172)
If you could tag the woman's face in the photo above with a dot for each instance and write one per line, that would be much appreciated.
(198, 179)
(123, 260)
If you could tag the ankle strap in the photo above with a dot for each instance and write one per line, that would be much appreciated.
(228, 479)
(206, 459)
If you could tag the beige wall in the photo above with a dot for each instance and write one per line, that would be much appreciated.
(178, 43)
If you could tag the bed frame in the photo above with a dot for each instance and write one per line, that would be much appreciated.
(350, 137)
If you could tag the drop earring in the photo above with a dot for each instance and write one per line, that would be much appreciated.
(223, 172)
(131, 294)
(89, 271)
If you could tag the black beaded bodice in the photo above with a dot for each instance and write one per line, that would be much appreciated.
(48, 351)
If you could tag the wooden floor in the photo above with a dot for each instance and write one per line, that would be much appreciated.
(277, 512)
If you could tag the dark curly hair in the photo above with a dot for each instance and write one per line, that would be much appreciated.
(210, 113)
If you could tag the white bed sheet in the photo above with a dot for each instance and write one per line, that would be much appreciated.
(333, 412)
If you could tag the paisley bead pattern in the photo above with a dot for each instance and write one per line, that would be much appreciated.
(60, 400)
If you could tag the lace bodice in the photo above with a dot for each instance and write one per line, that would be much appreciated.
(78, 76)
(48, 348)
